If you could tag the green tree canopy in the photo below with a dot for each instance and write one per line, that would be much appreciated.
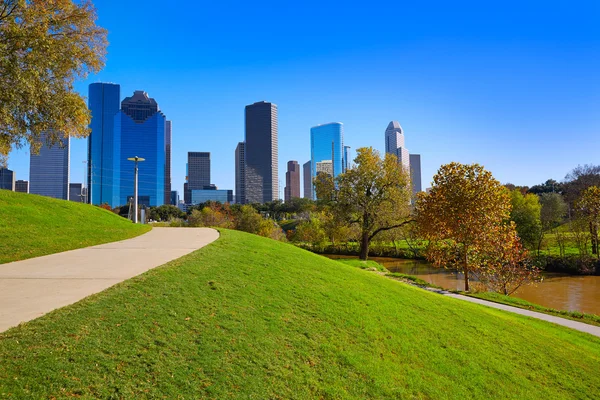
(44, 47)
(526, 210)
(374, 194)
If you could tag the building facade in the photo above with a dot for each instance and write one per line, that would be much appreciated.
(394, 144)
(204, 195)
(307, 181)
(261, 153)
(76, 192)
(327, 144)
(7, 179)
(103, 144)
(292, 181)
(22, 186)
(140, 128)
(346, 158)
(415, 173)
(325, 167)
(174, 200)
(49, 169)
(168, 138)
(240, 173)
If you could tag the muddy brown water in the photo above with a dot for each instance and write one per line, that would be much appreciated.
(562, 292)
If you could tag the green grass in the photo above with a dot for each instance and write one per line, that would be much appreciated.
(368, 264)
(32, 226)
(248, 317)
(591, 319)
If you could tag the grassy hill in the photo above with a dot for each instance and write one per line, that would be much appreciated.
(248, 317)
(32, 226)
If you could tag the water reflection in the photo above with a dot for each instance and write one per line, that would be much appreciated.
(562, 292)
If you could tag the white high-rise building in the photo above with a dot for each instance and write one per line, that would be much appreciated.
(394, 144)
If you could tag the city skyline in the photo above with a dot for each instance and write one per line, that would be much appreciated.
(462, 86)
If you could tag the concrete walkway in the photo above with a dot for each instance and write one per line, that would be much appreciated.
(31, 288)
(580, 326)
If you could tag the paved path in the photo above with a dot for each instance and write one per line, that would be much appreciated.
(31, 288)
(580, 326)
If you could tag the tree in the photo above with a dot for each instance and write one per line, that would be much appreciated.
(460, 215)
(44, 47)
(553, 210)
(247, 219)
(526, 210)
(588, 205)
(374, 194)
(579, 179)
(550, 186)
(506, 266)
(165, 212)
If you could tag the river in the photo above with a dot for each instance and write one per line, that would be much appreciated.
(558, 291)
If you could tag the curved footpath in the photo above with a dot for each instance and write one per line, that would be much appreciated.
(31, 288)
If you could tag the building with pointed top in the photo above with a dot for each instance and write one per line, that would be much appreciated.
(394, 143)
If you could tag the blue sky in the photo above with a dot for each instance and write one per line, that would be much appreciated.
(513, 85)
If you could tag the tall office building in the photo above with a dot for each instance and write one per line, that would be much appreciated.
(240, 173)
(22, 186)
(76, 192)
(198, 170)
(292, 181)
(261, 153)
(325, 166)
(394, 143)
(103, 144)
(49, 169)
(307, 180)
(327, 144)
(168, 138)
(346, 158)
(415, 172)
(140, 126)
(7, 179)
(174, 200)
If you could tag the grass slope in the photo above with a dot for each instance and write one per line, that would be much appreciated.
(248, 317)
(32, 226)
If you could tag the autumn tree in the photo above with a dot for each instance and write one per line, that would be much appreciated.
(45, 45)
(578, 180)
(588, 206)
(506, 265)
(374, 195)
(460, 214)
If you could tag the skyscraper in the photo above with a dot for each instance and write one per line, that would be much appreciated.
(140, 126)
(415, 172)
(240, 173)
(307, 180)
(198, 170)
(7, 179)
(394, 143)
(261, 153)
(49, 170)
(22, 186)
(292, 181)
(326, 144)
(168, 138)
(346, 158)
(103, 144)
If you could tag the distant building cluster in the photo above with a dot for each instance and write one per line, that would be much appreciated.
(136, 127)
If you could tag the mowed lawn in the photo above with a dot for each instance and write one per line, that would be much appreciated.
(251, 318)
(32, 226)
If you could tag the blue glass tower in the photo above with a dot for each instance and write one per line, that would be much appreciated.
(103, 103)
(140, 129)
(326, 147)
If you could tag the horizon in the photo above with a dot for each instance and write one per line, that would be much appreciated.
(463, 81)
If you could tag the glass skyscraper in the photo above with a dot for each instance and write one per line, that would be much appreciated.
(103, 147)
(140, 130)
(326, 145)
(394, 143)
(261, 153)
(49, 170)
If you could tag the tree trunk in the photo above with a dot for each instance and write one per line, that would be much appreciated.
(466, 270)
(594, 236)
(364, 246)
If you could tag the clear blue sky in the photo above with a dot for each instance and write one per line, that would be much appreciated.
(513, 85)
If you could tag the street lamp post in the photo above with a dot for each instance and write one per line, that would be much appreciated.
(135, 159)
